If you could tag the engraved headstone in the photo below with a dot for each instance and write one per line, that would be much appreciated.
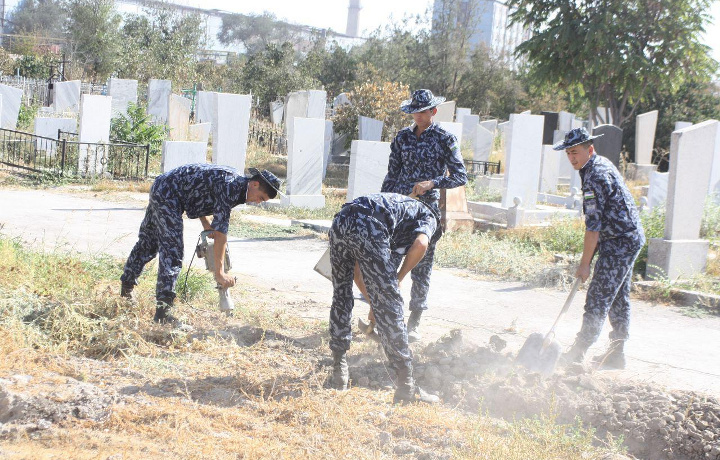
(204, 101)
(460, 113)
(368, 165)
(158, 99)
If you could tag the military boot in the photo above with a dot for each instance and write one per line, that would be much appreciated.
(576, 353)
(126, 292)
(408, 392)
(163, 315)
(340, 375)
(412, 326)
(613, 358)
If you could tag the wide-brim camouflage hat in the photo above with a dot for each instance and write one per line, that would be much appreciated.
(575, 137)
(422, 99)
(268, 177)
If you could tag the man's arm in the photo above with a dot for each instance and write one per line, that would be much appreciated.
(456, 173)
(205, 222)
(219, 252)
(589, 246)
(414, 255)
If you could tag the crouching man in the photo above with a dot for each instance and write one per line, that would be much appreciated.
(198, 190)
(367, 231)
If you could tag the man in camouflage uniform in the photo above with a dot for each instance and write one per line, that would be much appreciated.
(367, 231)
(613, 231)
(198, 190)
(423, 159)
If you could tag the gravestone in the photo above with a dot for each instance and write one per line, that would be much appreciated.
(296, 105)
(714, 188)
(460, 113)
(276, 112)
(66, 96)
(453, 128)
(566, 168)
(123, 92)
(577, 123)
(10, 98)
(158, 99)
(230, 131)
(369, 129)
(368, 166)
(179, 117)
(526, 112)
(681, 125)
(610, 144)
(454, 212)
(550, 126)
(657, 191)
(95, 115)
(490, 125)
(483, 144)
(501, 131)
(48, 127)
(681, 252)
(340, 100)
(604, 117)
(445, 112)
(327, 145)
(550, 169)
(305, 163)
(204, 101)
(317, 103)
(178, 153)
(522, 159)
(199, 132)
(646, 124)
(470, 125)
(565, 121)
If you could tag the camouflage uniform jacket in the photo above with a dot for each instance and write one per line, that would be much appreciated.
(414, 160)
(608, 206)
(203, 190)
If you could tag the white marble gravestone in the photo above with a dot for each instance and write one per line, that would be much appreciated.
(178, 153)
(327, 146)
(158, 99)
(522, 159)
(550, 169)
(714, 188)
(11, 98)
(681, 252)
(66, 96)
(179, 117)
(470, 125)
(199, 132)
(483, 144)
(460, 113)
(566, 168)
(317, 103)
(445, 112)
(565, 121)
(453, 128)
(657, 191)
(95, 115)
(276, 112)
(305, 163)
(230, 132)
(204, 101)
(681, 125)
(368, 166)
(645, 125)
(296, 105)
(369, 129)
(123, 92)
(48, 127)
(490, 125)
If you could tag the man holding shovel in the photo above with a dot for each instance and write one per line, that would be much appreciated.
(367, 231)
(613, 231)
(423, 159)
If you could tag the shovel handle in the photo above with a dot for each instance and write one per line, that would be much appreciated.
(565, 307)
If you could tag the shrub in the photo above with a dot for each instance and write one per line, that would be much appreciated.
(136, 127)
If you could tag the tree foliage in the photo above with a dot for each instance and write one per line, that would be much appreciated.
(37, 17)
(93, 30)
(254, 31)
(613, 51)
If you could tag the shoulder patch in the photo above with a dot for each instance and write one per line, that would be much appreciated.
(589, 195)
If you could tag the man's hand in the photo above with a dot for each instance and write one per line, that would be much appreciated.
(224, 280)
(206, 226)
(583, 272)
(422, 187)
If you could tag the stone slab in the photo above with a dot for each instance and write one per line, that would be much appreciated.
(305, 157)
(565, 121)
(179, 117)
(550, 169)
(11, 99)
(48, 127)
(178, 153)
(522, 159)
(658, 189)
(483, 144)
(470, 125)
(550, 126)
(714, 187)
(199, 132)
(368, 167)
(640, 173)
(460, 113)
(453, 128)
(610, 144)
(123, 92)
(490, 125)
(673, 259)
(66, 96)
(204, 101)
(645, 125)
(317, 103)
(682, 125)
(327, 145)
(277, 108)
(158, 99)
(95, 115)
(230, 130)
(445, 112)
(369, 129)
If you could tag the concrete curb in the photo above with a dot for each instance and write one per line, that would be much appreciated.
(682, 297)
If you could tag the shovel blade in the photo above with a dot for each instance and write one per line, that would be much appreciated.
(538, 356)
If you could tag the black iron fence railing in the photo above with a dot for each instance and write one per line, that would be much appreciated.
(272, 140)
(66, 156)
(482, 168)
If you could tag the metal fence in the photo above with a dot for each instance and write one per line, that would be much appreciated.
(67, 157)
(271, 139)
(482, 168)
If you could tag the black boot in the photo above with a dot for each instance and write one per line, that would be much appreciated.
(576, 353)
(412, 326)
(613, 358)
(408, 392)
(340, 375)
(163, 316)
(126, 292)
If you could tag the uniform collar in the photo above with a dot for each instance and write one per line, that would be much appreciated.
(589, 163)
(433, 126)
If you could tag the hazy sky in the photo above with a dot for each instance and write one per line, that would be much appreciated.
(375, 13)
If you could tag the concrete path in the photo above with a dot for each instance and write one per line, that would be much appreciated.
(666, 347)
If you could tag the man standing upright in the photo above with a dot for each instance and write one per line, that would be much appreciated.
(423, 159)
(613, 231)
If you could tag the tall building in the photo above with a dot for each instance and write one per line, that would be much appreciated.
(492, 27)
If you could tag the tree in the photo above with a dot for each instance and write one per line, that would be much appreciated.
(37, 17)
(93, 30)
(613, 51)
(334, 68)
(254, 31)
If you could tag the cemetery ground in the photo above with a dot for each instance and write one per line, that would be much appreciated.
(87, 376)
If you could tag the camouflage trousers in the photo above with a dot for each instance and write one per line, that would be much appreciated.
(161, 233)
(609, 291)
(355, 237)
(420, 274)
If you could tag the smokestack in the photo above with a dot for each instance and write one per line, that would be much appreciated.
(353, 22)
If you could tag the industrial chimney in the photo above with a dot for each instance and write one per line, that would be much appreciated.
(353, 22)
